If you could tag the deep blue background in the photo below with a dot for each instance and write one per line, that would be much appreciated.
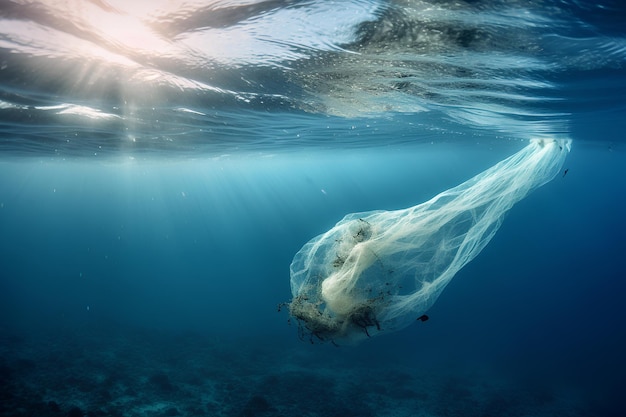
(205, 246)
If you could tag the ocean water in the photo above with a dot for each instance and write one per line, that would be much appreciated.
(162, 162)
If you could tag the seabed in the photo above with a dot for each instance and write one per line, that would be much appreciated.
(144, 373)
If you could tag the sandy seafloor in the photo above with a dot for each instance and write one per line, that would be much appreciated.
(111, 371)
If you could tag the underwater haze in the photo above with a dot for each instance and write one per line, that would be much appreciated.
(285, 208)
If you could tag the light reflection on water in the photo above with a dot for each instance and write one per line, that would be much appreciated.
(200, 74)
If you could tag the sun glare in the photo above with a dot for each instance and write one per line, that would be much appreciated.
(123, 31)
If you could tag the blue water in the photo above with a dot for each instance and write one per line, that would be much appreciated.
(161, 164)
